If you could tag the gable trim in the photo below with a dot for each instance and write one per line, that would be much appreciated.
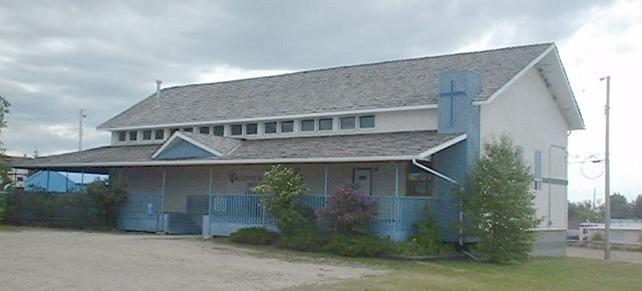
(179, 135)
(516, 77)
(442, 146)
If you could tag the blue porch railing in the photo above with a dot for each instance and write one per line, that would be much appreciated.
(395, 218)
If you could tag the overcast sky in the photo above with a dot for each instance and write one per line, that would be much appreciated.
(59, 56)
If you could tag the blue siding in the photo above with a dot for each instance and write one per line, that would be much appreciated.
(181, 149)
(49, 181)
(457, 114)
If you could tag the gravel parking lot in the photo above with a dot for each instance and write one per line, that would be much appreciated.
(64, 260)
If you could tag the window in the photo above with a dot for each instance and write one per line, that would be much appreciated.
(122, 136)
(287, 126)
(307, 125)
(133, 135)
(237, 129)
(218, 130)
(419, 183)
(347, 122)
(269, 127)
(325, 124)
(367, 121)
(251, 128)
(204, 129)
(537, 170)
(147, 134)
(159, 134)
(172, 131)
(188, 129)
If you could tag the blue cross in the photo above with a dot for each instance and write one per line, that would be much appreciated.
(452, 94)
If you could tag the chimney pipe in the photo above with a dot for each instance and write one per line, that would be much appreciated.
(158, 90)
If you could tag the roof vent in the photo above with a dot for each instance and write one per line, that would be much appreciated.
(158, 91)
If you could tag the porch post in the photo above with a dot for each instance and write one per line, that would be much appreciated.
(396, 179)
(162, 202)
(325, 181)
(211, 186)
(325, 186)
(397, 208)
(209, 205)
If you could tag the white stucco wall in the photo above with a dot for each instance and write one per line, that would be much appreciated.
(181, 182)
(528, 114)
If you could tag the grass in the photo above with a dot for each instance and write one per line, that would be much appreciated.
(619, 247)
(537, 274)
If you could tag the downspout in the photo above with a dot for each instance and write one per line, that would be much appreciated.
(461, 213)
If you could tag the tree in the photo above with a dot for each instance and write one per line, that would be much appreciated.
(637, 207)
(4, 168)
(620, 207)
(499, 203)
(280, 188)
(579, 212)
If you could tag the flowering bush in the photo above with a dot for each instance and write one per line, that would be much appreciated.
(348, 211)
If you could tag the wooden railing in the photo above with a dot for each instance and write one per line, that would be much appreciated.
(395, 216)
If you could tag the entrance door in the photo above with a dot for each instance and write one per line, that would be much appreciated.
(362, 179)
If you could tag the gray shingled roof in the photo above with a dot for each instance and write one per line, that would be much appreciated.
(383, 145)
(221, 144)
(379, 85)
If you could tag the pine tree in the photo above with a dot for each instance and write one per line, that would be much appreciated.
(499, 204)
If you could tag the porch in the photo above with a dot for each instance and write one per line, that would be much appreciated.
(223, 214)
(172, 187)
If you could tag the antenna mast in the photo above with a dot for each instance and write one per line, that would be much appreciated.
(80, 117)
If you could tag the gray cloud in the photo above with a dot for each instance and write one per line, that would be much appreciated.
(57, 57)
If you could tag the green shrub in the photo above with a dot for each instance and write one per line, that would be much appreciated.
(357, 245)
(598, 236)
(426, 231)
(254, 236)
(309, 238)
(499, 204)
(280, 188)
(96, 208)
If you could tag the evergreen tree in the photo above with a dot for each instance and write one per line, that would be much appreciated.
(499, 204)
(637, 207)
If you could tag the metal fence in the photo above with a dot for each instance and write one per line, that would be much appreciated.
(395, 215)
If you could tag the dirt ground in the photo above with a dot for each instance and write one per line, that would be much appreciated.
(621, 256)
(64, 260)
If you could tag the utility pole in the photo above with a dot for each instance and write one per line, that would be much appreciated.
(80, 117)
(607, 190)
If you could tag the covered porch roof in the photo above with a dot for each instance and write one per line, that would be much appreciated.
(394, 146)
